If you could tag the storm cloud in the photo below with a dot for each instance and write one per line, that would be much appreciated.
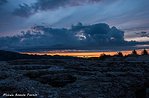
(54, 4)
(143, 34)
(78, 37)
(3, 2)
(130, 15)
(25, 10)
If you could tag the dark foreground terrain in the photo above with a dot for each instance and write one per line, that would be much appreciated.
(76, 78)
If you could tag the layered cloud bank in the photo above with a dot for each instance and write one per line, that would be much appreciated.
(80, 36)
(26, 10)
(130, 16)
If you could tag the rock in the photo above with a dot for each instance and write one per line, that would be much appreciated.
(77, 79)
(7, 86)
(147, 93)
(56, 68)
(3, 75)
(35, 73)
(57, 80)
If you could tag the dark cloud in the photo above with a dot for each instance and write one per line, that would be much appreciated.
(143, 34)
(53, 4)
(78, 37)
(3, 2)
(25, 10)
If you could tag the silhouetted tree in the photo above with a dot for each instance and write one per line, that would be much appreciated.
(134, 52)
(120, 54)
(144, 52)
(104, 56)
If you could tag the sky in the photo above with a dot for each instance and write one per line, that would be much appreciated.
(129, 16)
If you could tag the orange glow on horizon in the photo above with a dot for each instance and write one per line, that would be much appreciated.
(80, 53)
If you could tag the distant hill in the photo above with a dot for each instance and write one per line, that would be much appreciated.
(9, 55)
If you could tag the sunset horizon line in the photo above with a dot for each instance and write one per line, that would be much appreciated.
(87, 53)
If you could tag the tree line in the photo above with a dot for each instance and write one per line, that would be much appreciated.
(120, 54)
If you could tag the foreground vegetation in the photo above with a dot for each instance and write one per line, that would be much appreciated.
(69, 77)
